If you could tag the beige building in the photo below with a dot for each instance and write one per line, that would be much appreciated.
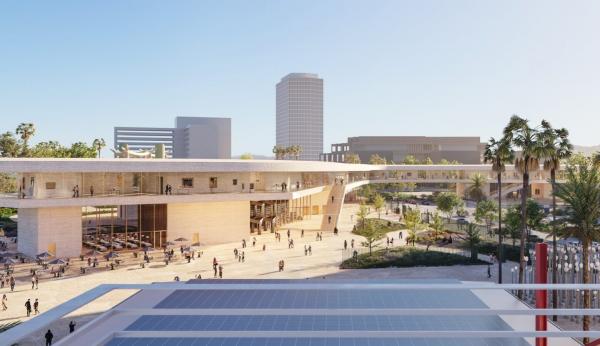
(465, 150)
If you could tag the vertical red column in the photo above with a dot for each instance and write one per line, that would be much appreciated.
(541, 296)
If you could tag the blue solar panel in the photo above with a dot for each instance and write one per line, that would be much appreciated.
(314, 323)
(336, 341)
(314, 299)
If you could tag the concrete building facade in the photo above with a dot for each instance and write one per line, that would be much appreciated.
(395, 149)
(299, 113)
(191, 138)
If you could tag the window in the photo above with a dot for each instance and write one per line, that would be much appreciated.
(187, 182)
(234, 182)
(537, 191)
(50, 185)
(213, 183)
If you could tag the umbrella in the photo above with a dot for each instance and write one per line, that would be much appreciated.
(181, 239)
(111, 255)
(44, 255)
(59, 261)
(149, 249)
(93, 253)
(10, 260)
(169, 243)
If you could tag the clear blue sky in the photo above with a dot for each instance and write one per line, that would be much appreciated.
(78, 68)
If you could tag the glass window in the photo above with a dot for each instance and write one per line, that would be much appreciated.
(187, 182)
(234, 182)
(213, 183)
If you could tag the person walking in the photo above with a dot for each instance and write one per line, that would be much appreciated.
(345, 244)
(489, 272)
(48, 336)
(220, 271)
(305, 250)
(302, 233)
(36, 306)
(28, 307)
(352, 243)
(4, 301)
(310, 250)
(71, 327)
(12, 283)
(33, 281)
(37, 281)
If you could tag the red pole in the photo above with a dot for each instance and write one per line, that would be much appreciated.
(541, 296)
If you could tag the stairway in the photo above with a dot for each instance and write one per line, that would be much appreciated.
(333, 209)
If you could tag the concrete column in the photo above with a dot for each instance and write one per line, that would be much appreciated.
(55, 230)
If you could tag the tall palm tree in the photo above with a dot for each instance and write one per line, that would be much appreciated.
(529, 140)
(26, 131)
(98, 144)
(581, 193)
(499, 153)
(556, 148)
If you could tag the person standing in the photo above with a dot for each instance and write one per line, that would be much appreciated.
(352, 243)
(4, 300)
(33, 281)
(345, 244)
(220, 271)
(28, 307)
(310, 250)
(36, 306)
(71, 327)
(302, 233)
(12, 283)
(48, 336)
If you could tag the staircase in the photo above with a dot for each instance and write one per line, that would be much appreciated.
(333, 209)
(506, 189)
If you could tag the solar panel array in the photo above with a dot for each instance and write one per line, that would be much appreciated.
(275, 313)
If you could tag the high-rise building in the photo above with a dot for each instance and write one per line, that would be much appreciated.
(191, 138)
(299, 113)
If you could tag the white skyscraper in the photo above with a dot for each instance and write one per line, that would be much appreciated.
(299, 113)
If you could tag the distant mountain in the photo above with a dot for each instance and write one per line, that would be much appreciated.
(585, 150)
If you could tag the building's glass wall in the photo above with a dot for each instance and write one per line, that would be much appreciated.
(114, 228)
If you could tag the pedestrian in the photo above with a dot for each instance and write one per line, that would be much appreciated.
(400, 235)
(12, 283)
(215, 270)
(49, 337)
(310, 250)
(264, 247)
(305, 250)
(288, 233)
(329, 219)
(220, 271)
(392, 241)
(345, 244)
(28, 307)
(243, 256)
(352, 243)
(489, 272)
(92, 190)
(302, 233)
(253, 241)
(33, 281)
(387, 244)
(331, 199)
(36, 306)
(4, 301)
(71, 327)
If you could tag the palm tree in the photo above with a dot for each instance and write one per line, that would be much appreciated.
(279, 152)
(529, 140)
(556, 148)
(581, 193)
(298, 152)
(26, 131)
(475, 190)
(99, 143)
(499, 153)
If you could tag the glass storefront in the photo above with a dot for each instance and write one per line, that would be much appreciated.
(122, 227)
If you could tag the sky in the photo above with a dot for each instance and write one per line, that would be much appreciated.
(425, 67)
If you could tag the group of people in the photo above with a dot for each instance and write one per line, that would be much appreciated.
(36, 306)
(7, 280)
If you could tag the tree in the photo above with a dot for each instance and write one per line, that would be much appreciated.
(279, 152)
(412, 220)
(410, 160)
(427, 161)
(362, 214)
(512, 222)
(556, 147)
(472, 240)
(352, 158)
(297, 151)
(486, 211)
(378, 203)
(82, 150)
(372, 233)
(529, 140)
(8, 183)
(246, 156)
(26, 131)
(9, 146)
(49, 149)
(499, 153)
(375, 159)
(581, 194)
(475, 190)
(436, 226)
(99, 143)
(448, 202)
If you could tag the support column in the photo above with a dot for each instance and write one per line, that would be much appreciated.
(541, 296)
(55, 230)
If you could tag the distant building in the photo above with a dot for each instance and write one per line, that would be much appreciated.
(299, 113)
(192, 137)
(395, 149)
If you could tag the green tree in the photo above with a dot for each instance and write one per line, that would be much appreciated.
(375, 159)
(581, 193)
(8, 183)
(82, 150)
(410, 160)
(436, 226)
(25, 131)
(362, 214)
(279, 152)
(448, 203)
(9, 146)
(98, 144)
(530, 141)
(427, 161)
(475, 189)
(499, 153)
(372, 233)
(472, 240)
(352, 158)
(485, 211)
(556, 147)
(512, 222)
(246, 156)
(412, 221)
(378, 203)
(49, 149)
